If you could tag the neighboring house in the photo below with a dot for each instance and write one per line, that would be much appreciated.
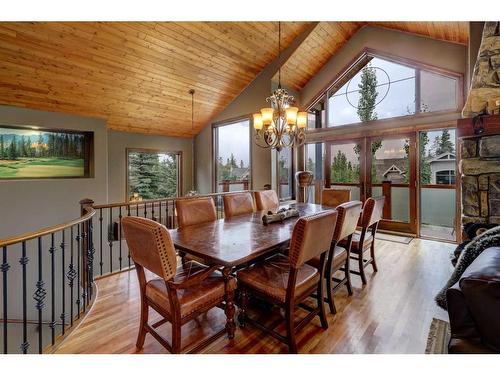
(391, 170)
(443, 168)
(241, 173)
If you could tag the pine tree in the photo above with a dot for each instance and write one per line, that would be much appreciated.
(13, 149)
(40, 152)
(425, 167)
(2, 148)
(167, 178)
(368, 94)
(445, 144)
(143, 172)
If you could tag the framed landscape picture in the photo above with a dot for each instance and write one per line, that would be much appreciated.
(31, 153)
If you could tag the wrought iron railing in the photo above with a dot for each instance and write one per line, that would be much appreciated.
(68, 258)
(111, 252)
(61, 273)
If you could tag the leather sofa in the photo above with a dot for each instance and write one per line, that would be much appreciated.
(474, 306)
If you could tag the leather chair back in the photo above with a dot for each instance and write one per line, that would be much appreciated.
(312, 236)
(334, 197)
(266, 200)
(195, 211)
(372, 211)
(238, 204)
(150, 246)
(347, 220)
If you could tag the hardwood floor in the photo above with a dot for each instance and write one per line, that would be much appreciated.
(391, 314)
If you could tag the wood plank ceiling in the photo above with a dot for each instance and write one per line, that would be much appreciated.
(136, 75)
(328, 37)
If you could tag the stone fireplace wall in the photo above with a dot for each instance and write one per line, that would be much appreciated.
(480, 173)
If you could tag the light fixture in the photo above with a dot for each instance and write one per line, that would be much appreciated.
(280, 125)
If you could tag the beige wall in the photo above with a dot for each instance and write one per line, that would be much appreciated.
(250, 100)
(118, 142)
(27, 205)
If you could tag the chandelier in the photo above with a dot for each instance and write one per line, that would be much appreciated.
(281, 125)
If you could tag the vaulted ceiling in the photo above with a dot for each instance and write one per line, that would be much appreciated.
(137, 75)
(328, 37)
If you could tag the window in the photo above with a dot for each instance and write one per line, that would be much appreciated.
(376, 89)
(285, 173)
(152, 174)
(437, 157)
(232, 156)
(314, 164)
(445, 177)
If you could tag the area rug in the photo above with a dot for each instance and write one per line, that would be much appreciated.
(439, 336)
(393, 238)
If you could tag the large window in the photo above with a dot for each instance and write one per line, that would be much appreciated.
(152, 174)
(376, 88)
(232, 156)
(285, 173)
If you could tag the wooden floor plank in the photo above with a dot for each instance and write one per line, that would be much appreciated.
(391, 314)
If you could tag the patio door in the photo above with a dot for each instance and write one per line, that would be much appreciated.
(345, 166)
(391, 172)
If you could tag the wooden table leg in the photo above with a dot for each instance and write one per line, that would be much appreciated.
(230, 325)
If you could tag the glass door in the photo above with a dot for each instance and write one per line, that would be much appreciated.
(344, 166)
(391, 164)
(438, 164)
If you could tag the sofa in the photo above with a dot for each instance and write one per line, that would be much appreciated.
(474, 306)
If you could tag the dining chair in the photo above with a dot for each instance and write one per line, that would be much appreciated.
(266, 200)
(177, 294)
(193, 211)
(364, 241)
(339, 254)
(334, 197)
(238, 204)
(288, 280)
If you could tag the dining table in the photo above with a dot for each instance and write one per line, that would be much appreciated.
(239, 240)
(236, 242)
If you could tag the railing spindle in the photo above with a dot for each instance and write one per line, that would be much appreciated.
(24, 261)
(78, 262)
(153, 211)
(159, 210)
(82, 250)
(167, 223)
(52, 324)
(5, 267)
(128, 214)
(120, 236)
(39, 295)
(90, 258)
(110, 240)
(71, 275)
(63, 282)
(145, 210)
(100, 234)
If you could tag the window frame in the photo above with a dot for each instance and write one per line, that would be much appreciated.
(291, 175)
(178, 154)
(365, 56)
(215, 146)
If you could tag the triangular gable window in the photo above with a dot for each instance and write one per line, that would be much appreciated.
(375, 88)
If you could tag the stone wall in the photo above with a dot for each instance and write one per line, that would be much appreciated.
(480, 169)
(485, 85)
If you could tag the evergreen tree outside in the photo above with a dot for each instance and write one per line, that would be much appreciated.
(444, 143)
(367, 94)
(153, 175)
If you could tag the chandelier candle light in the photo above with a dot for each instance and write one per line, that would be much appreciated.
(280, 125)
